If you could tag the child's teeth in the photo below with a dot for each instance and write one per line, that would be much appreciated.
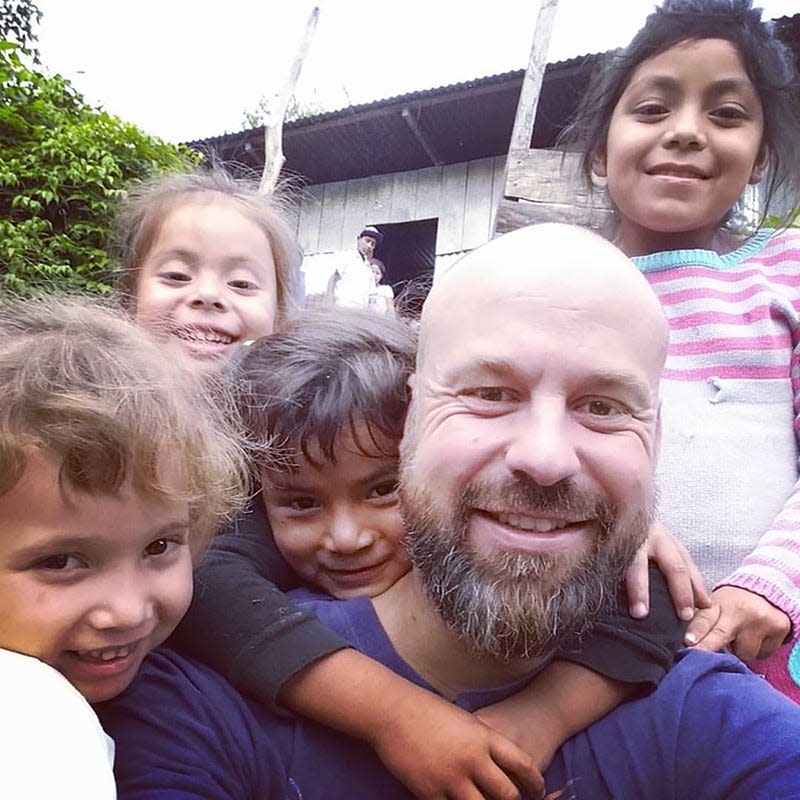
(105, 653)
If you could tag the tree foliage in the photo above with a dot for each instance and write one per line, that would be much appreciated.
(257, 116)
(18, 19)
(63, 166)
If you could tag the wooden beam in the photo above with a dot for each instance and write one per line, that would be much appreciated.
(410, 119)
(522, 133)
(276, 111)
(513, 214)
(545, 186)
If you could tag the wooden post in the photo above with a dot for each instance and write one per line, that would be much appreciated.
(532, 80)
(276, 111)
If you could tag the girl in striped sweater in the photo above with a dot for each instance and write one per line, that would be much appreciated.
(702, 103)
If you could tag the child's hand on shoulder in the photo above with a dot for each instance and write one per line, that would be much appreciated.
(441, 752)
(741, 620)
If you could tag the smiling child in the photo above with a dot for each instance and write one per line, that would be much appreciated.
(115, 469)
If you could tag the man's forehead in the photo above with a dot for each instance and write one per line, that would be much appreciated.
(543, 269)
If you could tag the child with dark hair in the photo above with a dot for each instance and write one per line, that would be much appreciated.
(324, 404)
(704, 102)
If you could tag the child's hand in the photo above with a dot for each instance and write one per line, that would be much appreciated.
(683, 577)
(440, 752)
(743, 621)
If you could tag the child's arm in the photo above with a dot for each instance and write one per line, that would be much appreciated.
(240, 623)
(433, 747)
(620, 658)
(251, 633)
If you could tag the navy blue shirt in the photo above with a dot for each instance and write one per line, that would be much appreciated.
(711, 730)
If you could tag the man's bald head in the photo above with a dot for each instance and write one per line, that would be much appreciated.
(569, 265)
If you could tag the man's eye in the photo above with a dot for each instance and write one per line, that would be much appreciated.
(602, 408)
(492, 394)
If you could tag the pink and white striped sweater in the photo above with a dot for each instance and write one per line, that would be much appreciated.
(728, 470)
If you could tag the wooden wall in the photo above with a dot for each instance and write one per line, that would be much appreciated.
(463, 197)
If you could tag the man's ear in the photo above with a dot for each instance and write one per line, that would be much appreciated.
(761, 165)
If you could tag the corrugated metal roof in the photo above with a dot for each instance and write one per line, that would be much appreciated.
(443, 125)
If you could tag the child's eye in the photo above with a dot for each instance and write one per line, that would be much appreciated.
(729, 114)
(384, 490)
(651, 110)
(243, 284)
(175, 276)
(60, 563)
(158, 547)
(302, 503)
(165, 544)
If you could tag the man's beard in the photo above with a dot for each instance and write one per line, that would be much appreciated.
(517, 604)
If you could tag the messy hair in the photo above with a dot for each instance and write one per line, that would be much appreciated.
(147, 204)
(86, 386)
(328, 371)
(769, 64)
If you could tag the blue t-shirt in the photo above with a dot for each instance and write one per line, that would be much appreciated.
(711, 730)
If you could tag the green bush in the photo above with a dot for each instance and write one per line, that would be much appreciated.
(63, 166)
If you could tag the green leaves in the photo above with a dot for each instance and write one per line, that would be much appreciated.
(63, 167)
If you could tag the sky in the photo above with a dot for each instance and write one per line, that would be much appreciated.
(186, 70)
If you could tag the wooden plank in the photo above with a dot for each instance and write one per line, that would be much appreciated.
(478, 204)
(451, 217)
(522, 132)
(429, 193)
(513, 214)
(354, 211)
(404, 196)
(310, 217)
(548, 176)
(498, 186)
(378, 199)
(276, 110)
(332, 222)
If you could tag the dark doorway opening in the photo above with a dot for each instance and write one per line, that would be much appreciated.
(408, 250)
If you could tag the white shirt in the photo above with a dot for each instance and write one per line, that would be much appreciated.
(52, 745)
(355, 283)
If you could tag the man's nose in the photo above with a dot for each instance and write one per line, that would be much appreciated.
(348, 532)
(543, 445)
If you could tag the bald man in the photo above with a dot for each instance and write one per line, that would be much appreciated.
(527, 488)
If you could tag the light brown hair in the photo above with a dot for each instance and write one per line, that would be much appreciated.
(147, 205)
(84, 384)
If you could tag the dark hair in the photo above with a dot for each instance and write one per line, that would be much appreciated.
(327, 371)
(770, 66)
